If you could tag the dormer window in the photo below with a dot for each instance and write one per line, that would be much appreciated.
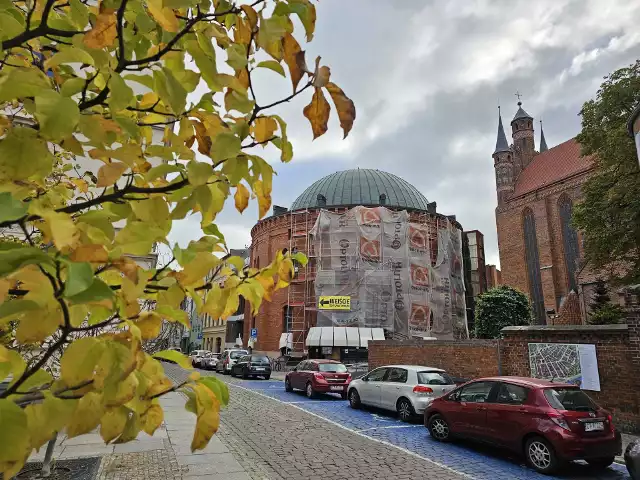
(383, 199)
(321, 200)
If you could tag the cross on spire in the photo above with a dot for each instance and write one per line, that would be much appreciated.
(518, 94)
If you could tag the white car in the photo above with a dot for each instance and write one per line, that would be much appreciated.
(406, 389)
(197, 356)
(228, 359)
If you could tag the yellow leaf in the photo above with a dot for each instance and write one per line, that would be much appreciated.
(208, 412)
(5, 285)
(322, 77)
(264, 128)
(90, 253)
(204, 140)
(344, 106)
(47, 417)
(40, 324)
(149, 324)
(104, 31)
(241, 197)
(86, 416)
(148, 99)
(251, 14)
(80, 184)
(14, 434)
(291, 49)
(264, 197)
(110, 173)
(194, 376)
(124, 392)
(171, 297)
(317, 112)
(113, 422)
(80, 359)
(176, 357)
(61, 227)
(152, 419)
(163, 15)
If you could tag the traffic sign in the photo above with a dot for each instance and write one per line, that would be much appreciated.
(200, 336)
(254, 333)
(335, 303)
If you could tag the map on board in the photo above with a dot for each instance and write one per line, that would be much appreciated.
(565, 362)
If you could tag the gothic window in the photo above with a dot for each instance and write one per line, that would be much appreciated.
(569, 241)
(533, 266)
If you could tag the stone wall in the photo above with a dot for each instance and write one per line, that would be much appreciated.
(468, 359)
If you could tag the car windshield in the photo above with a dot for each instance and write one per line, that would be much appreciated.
(237, 354)
(332, 367)
(259, 358)
(434, 378)
(569, 399)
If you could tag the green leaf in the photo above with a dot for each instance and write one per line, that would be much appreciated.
(72, 86)
(79, 360)
(213, 229)
(121, 93)
(97, 291)
(170, 90)
(17, 256)
(176, 357)
(24, 155)
(237, 56)
(79, 278)
(300, 257)
(173, 314)
(161, 171)
(69, 55)
(20, 83)
(273, 65)
(224, 145)
(206, 64)
(10, 308)
(306, 11)
(79, 14)
(40, 377)
(9, 26)
(14, 434)
(199, 173)
(218, 387)
(57, 115)
(11, 208)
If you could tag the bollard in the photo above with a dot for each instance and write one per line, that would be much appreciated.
(632, 459)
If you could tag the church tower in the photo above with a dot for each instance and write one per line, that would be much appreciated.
(523, 143)
(503, 163)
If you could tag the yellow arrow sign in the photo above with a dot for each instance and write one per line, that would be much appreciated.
(334, 303)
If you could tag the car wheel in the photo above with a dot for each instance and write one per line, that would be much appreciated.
(287, 385)
(245, 375)
(354, 398)
(343, 395)
(439, 428)
(601, 463)
(405, 410)
(540, 455)
(267, 377)
(309, 391)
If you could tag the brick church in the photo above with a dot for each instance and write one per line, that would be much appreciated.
(540, 251)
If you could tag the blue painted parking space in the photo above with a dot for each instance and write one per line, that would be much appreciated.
(477, 461)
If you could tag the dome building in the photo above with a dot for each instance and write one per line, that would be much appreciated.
(373, 239)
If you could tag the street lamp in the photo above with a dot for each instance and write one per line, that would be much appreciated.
(634, 128)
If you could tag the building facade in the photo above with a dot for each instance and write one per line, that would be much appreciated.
(493, 276)
(540, 251)
(283, 324)
(477, 265)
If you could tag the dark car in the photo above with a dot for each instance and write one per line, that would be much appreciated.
(252, 366)
(549, 423)
(313, 376)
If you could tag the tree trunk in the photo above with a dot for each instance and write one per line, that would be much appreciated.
(46, 464)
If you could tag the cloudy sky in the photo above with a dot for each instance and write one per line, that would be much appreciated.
(426, 78)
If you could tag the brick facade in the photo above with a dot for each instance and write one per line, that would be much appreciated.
(617, 350)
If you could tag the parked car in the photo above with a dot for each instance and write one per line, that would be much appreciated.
(255, 365)
(228, 359)
(210, 361)
(315, 376)
(549, 423)
(406, 389)
(196, 356)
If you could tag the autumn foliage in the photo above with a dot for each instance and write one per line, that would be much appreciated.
(117, 118)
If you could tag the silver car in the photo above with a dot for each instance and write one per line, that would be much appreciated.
(228, 359)
(406, 389)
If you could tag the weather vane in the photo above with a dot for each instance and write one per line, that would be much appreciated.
(518, 94)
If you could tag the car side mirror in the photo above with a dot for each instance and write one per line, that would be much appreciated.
(365, 379)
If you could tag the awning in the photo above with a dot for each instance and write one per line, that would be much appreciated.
(286, 340)
(341, 336)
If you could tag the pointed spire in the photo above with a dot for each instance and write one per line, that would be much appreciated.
(501, 143)
(521, 113)
(543, 142)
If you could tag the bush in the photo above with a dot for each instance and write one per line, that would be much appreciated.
(500, 307)
(608, 314)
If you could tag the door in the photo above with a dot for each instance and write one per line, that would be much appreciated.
(370, 387)
(507, 414)
(241, 365)
(469, 414)
(393, 388)
(295, 376)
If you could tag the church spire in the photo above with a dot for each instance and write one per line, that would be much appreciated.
(501, 142)
(543, 142)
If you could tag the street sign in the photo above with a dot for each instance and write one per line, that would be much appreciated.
(200, 336)
(334, 303)
(254, 333)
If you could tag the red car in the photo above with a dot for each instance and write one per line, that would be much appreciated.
(550, 423)
(314, 376)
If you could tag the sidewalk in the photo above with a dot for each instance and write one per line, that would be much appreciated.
(165, 456)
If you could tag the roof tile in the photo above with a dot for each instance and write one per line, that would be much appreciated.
(554, 165)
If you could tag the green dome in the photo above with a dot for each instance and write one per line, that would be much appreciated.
(361, 186)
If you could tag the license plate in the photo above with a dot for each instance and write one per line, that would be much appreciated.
(593, 426)
(337, 387)
(259, 369)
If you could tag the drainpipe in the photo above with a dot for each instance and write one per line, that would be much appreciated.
(499, 355)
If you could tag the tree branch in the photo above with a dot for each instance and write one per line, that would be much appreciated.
(122, 58)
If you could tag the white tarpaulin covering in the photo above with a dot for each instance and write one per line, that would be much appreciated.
(385, 264)
(341, 336)
(286, 340)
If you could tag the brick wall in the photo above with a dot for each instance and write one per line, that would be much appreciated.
(467, 359)
(617, 350)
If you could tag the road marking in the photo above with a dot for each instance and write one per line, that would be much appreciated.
(390, 426)
(356, 432)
